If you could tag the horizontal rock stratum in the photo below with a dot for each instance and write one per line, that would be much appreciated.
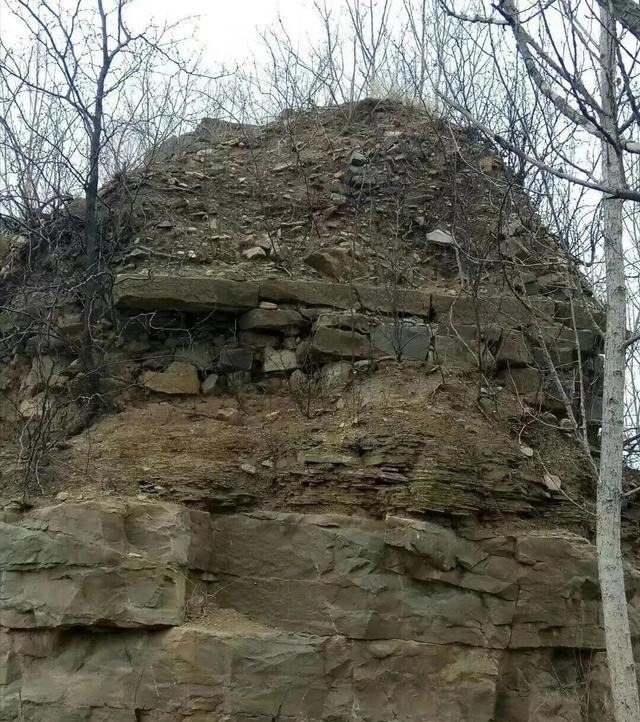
(319, 461)
(397, 619)
(204, 293)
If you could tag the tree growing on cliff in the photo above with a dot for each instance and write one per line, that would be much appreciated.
(588, 73)
(85, 92)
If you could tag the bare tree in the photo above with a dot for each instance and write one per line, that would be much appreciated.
(590, 82)
(83, 93)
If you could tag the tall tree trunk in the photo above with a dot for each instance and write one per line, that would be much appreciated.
(89, 351)
(624, 684)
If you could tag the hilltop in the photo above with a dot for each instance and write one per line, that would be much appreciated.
(334, 463)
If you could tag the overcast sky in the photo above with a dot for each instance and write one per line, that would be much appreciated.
(229, 29)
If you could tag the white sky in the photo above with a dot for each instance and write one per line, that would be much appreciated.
(228, 29)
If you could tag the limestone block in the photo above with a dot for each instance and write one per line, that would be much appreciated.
(404, 341)
(332, 343)
(513, 351)
(279, 360)
(185, 293)
(263, 319)
(453, 353)
(310, 293)
(179, 378)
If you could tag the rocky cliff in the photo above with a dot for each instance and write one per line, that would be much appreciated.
(334, 474)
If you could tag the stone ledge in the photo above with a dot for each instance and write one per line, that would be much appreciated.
(194, 293)
(136, 593)
(202, 294)
(232, 671)
(356, 577)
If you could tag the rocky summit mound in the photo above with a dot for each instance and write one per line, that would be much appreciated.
(334, 472)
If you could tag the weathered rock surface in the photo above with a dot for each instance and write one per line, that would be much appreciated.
(261, 319)
(403, 341)
(313, 277)
(202, 293)
(276, 360)
(184, 293)
(178, 378)
(333, 343)
(513, 351)
(317, 617)
(453, 352)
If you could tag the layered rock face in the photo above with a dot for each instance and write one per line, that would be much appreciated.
(129, 610)
(334, 473)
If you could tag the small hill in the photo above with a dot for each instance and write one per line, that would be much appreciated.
(334, 463)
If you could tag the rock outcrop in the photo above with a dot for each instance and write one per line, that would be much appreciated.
(330, 472)
(120, 610)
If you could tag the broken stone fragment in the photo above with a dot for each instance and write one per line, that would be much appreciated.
(567, 424)
(70, 325)
(308, 293)
(231, 416)
(453, 353)
(262, 319)
(34, 408)
(521, 381)
(155, 360)
(552, 482)
(586, 315)
(560, 356)
(46, 373)
(358, 159)
(440, 238)
(527, 451)
(339, 188)
(321, 457)
(178, 378)
(254, 253)
(299, 381)
(331, 262)
(490, 164)
(209, 384)
(336, 375)
(549, 400)
(282, 167)
(347, 320)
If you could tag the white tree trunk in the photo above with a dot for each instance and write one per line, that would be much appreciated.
(624, 684)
